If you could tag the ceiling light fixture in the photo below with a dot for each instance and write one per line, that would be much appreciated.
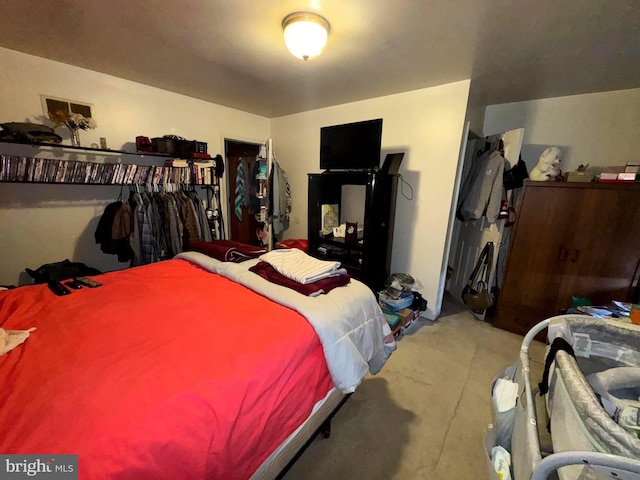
(305, 34)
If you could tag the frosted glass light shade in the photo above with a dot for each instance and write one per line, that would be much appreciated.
(305, 34)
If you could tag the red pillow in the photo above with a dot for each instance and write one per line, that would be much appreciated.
(227, 250)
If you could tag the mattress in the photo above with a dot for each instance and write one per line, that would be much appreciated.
(166, 371)
(285, 453)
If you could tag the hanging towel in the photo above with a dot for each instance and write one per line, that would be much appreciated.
(281, 198)
(239, 191)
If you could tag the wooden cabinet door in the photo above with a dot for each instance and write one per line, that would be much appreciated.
(540, 248)
(604, 257)
(518, 320)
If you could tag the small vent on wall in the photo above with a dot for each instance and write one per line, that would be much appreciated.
(54, 104)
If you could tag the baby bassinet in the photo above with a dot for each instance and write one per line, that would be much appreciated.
(587, 442)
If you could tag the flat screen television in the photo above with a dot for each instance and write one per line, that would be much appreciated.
(352, 146)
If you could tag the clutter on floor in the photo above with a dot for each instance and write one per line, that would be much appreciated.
(622, 311)
(401, 302)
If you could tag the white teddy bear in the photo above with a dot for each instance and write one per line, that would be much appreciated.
(546, 168)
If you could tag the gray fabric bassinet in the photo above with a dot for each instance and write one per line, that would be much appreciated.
(587, 442)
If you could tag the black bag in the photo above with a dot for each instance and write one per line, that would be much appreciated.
(28, 132)
(495, 293)
(61, 271)
(475, 294)
(419, 303)
(515, 176)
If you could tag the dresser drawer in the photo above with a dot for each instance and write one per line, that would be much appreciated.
(518, 320)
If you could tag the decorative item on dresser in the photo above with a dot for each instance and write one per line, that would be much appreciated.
(570, 239)
(547, 168)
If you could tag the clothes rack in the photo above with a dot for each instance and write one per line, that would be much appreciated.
(153, 224)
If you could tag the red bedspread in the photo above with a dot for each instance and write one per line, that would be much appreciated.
(166, 371)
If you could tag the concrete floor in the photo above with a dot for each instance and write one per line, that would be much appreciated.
(425, 415)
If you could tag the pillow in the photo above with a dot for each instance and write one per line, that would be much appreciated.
(227, 250)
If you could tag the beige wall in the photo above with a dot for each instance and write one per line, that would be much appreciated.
(427, 124)
(46, 223)
(599, 128)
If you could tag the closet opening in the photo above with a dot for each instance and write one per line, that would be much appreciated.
(240, 229)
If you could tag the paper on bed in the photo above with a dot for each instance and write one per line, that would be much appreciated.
(10, 339)
(349, 322)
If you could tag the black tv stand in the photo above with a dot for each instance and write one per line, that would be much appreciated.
(367, 259)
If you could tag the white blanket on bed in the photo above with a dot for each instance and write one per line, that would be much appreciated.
(352, 329)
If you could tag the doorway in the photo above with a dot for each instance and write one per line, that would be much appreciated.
(469, 238)
(241, 230)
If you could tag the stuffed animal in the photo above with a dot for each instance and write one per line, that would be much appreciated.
(547, 168)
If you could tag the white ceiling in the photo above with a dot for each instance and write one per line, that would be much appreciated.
(231, 52)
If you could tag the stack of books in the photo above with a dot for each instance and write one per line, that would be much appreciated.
(626, 174)
(194, 172)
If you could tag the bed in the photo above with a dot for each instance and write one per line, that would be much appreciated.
(587, 361)
(189, 368)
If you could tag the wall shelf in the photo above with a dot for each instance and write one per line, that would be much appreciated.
(90, 149)
(22, 169)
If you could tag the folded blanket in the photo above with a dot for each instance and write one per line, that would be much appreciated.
(314, 289)
(298, 266)
(354, 333)
(227, 250)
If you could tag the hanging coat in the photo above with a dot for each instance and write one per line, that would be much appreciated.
(483, 195)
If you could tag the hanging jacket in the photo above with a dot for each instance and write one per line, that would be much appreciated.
(148, 242)
(105, 226)
(483, 189)
(114, 220)
(205, 231)
(191, 230)
(280, 199)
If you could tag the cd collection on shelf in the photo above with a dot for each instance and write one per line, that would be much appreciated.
(44, 170)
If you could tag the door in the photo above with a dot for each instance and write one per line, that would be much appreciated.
(540, 247)
(604, 256)
(241, 229)
(470, 238)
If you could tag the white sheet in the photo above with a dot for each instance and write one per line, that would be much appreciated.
(349, 322)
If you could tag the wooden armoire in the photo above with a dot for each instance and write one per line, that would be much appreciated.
(570, 239)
